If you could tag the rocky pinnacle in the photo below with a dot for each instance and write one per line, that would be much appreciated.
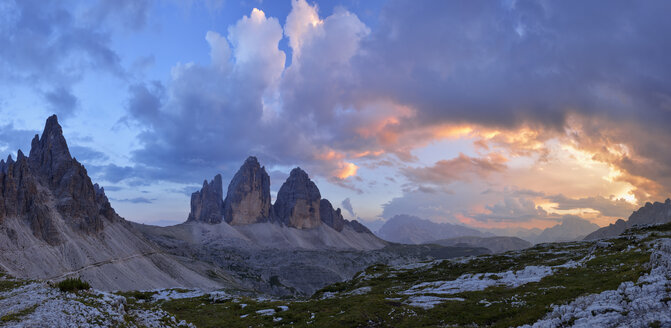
(298, 201)
(50, 180)
(248, 197)
(207, 205)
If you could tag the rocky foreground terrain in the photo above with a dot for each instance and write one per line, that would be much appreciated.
(619, 282)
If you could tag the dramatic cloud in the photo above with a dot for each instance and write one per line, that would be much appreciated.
(459, 107)
(462, 168)
(618, 208)
(209, 118)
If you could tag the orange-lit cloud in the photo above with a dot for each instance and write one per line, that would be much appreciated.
(347, 170)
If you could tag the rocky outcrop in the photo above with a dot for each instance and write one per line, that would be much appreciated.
(650, 214)
(298, 201)
(332, 218)
(29, 185)
(207, 205)
(248, 197)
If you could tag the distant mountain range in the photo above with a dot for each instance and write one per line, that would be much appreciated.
(571, 228)
(650, 214)
(496, 244)
(409, 229)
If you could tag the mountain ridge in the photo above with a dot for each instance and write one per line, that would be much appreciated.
(55, 223)
(649, 214)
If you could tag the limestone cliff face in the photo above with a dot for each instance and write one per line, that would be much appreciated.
(248, 197)
(207, 205)
(49, 175)
(298, 201)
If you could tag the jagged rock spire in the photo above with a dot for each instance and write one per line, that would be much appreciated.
(49, 175)
(248, 197)
(298, 201)
(207, 205)
(49, 155)
(332, 218)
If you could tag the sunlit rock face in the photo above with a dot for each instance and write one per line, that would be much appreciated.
(207, 205)
(298, 201)
(248, 197)
(50, 182)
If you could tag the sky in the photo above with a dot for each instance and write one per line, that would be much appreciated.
(492, 114)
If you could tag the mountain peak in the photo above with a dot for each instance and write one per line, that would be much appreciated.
(207, 205)
(50, 152)
(252, 160)
(248, 195)
(298, 199)
(297, 172)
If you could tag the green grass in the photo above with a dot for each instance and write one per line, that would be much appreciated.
(73, 285)
(16, 316)
(7, 285)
